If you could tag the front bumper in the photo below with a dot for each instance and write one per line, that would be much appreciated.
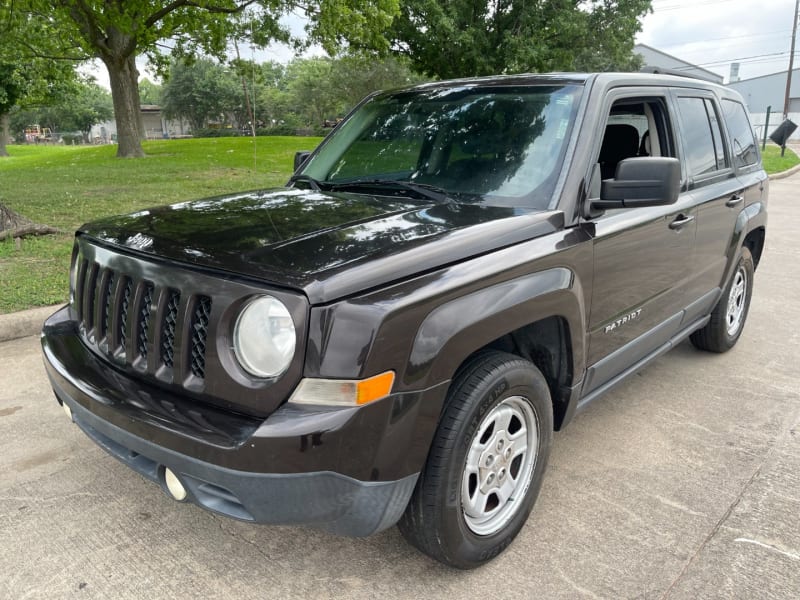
(350, 471)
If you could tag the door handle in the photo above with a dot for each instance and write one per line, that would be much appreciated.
(681, 221)
(734, 200)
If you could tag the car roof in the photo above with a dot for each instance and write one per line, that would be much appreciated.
(603, 80)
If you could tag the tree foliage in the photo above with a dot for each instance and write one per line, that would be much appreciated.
(201, 92)
(149, 92)
(85, 105)
(302, 94)
(463, 38)
(117, 32)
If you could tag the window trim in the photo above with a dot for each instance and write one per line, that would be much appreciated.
(654, 95)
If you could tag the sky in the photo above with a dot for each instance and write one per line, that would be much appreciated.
(708, 33)
(714, 33)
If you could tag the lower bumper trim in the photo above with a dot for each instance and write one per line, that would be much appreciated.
(327, 500)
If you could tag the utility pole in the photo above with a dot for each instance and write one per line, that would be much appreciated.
(791, 63)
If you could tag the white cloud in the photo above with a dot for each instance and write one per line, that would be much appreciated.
(714, 33)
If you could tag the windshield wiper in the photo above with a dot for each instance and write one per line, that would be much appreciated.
(427, 191)
(315, 185)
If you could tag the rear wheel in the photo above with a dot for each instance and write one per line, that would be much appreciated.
(486, 463)
(729, 315)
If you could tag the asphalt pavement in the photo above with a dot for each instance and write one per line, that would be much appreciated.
(684, 482)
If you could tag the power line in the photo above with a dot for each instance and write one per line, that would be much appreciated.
(733, 37)
(743, 59)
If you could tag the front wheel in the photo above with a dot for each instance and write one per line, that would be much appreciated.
(729, 315)
(486, 463)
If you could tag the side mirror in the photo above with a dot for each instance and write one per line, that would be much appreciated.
(300, 158)
(641, 181)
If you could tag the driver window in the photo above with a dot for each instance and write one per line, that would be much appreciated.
(635, 127)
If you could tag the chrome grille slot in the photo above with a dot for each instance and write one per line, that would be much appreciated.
(125, 302)
(106, 302)
(168, 327)
(80, 282)
(200, 321)
(90, 294)
(143, 314)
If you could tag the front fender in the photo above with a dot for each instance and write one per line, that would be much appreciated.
(454, 330)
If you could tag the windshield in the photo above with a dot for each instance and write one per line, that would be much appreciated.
(501, 145)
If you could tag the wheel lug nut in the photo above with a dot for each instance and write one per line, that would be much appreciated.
(489, 460)
(501, 474)
(499, 445)
(490, 478)
(508, 453)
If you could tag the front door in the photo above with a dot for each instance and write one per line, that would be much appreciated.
(642, 255)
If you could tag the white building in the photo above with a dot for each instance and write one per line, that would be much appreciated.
(770, 91)
(657, 58)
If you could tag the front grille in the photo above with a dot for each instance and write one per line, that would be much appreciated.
(168, 325)
(138, 322)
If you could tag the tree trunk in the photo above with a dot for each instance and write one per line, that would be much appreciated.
(127, 109)
(4, 125)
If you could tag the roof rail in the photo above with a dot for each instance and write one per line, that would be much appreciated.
(675, 72)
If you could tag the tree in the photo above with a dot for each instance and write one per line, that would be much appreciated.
(310, 84)
(356, 75)
(28, 78)
(200, 92)
(462, 38)
(117, 32)
(149, 92)
(78, 110)
(31, 83)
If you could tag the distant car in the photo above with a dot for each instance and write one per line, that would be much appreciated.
(451, 275)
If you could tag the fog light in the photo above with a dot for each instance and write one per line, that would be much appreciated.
(174, 485)
(67, 410)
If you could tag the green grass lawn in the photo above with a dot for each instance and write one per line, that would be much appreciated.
(67, 186)
(773, 163)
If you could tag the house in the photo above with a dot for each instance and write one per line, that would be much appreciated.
(156, 126)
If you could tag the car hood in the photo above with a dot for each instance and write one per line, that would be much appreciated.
(328, 245)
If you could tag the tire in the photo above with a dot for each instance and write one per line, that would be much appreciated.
(486, 463)
(729, 315)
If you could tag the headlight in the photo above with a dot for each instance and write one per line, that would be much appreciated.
(264, 337)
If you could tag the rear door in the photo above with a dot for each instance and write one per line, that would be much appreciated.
(716, 192)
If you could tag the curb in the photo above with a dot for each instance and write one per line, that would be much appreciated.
(24, 323)
(786, 173)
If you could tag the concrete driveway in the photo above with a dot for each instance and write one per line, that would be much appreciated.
(682, 483)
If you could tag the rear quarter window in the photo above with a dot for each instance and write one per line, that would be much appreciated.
(743, 140)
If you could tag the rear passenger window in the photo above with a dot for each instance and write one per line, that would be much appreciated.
(698, 141)
(745, 147)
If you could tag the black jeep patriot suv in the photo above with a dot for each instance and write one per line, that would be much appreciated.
(455, 271)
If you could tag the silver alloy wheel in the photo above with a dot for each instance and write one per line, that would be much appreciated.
(499, 465)
(736, 302)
